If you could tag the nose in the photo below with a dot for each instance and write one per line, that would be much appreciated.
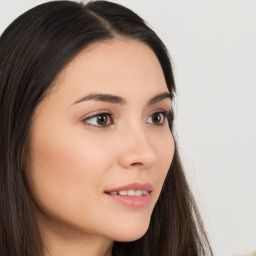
(137, 150)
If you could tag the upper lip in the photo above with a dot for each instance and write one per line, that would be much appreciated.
(133, 186)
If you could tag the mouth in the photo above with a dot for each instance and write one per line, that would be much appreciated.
(130, 192)
(134, 195)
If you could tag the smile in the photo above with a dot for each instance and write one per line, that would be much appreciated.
(130, 192)
(132, 195)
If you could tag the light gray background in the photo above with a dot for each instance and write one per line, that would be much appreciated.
(212, 45)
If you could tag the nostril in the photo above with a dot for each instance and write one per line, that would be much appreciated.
(137, 164)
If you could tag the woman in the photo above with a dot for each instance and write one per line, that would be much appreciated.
(88, 161)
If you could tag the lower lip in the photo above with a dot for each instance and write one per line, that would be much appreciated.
(132, 201)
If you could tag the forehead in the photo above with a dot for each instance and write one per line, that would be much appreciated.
(115, 66)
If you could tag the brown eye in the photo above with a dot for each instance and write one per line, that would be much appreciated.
(100, 120)
(157, 118)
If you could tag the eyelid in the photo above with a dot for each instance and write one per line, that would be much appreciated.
(94, 115)
(163, 112)
(167, 115)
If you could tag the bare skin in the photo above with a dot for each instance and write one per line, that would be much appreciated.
(82, 147)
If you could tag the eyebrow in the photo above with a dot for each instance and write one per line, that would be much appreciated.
(119, 100)
(160, 97)
(103, 97)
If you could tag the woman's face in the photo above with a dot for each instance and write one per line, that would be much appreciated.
(100, 145)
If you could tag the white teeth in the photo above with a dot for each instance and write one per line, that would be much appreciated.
(138, 192)
(144, 192)
(123, 193)
(130, 192)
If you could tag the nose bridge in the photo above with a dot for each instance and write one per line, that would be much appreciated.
(137, 148)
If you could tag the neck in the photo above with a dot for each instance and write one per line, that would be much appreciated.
(80, 247)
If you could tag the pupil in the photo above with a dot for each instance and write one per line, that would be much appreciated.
(156, 118)
(102, 119)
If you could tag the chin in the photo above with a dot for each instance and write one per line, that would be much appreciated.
(131, 233)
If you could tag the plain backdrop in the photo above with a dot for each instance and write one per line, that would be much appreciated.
(213, 49)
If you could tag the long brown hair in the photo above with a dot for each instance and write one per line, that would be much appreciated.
(33, 51)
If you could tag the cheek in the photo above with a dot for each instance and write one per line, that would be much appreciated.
(168, 152)
(165, 147)
(63, 172)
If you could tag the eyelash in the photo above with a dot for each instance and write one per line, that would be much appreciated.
(165, 115)
(105, 114)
